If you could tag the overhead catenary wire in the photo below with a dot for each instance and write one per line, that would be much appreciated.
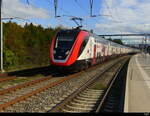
(27, 2)
(81, 7)
(59, 19)
(111, 15)
(65, 12)
(113, 18)
(91, 7)
(85, 11)
(107, 6)
(10, 17)
(74, 18)
(56, 9)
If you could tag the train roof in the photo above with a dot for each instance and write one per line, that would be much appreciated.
(101, 39)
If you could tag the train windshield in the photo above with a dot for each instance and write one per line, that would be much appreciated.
(65, 39)
(64, 42)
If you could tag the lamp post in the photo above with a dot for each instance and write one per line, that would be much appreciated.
(2, 69)
(1, 42)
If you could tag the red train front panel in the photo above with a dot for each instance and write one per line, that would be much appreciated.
(65, 47)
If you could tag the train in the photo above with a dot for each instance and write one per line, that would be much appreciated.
(148, 50)
(78, 49)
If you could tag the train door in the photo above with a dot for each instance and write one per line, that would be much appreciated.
(108, 49)
(92, 51)
(94, 55)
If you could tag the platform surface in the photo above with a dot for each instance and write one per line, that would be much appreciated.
(137, 93)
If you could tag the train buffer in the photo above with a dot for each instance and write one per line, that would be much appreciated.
(137, 93)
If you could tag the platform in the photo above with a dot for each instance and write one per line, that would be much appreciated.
(137, 94)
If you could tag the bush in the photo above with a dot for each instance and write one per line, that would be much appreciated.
(9, 58)
(28, 45)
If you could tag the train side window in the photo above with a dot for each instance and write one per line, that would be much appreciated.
(83, 45)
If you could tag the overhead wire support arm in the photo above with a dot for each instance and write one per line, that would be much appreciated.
(55, 7)
(91, 7)
(27, 2)
(91, 10)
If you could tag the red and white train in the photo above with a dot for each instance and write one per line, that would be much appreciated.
(78, 49)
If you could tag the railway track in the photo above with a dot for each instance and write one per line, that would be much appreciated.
(33, 91)
(3, 74)
(83, 102)
(43, 97)
(20, 86)
(89, 99)
(113, 101)
(22, 77)
(3, 79)
(7, 76)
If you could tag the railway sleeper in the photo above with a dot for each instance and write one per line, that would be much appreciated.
(83, 109)
(108, 110)
(84, 102)
(72, 111)
(87, 99)
(94, 90)
(91, 92)
(14, 109)
(89, 95)
(81, 104)
(68, 111)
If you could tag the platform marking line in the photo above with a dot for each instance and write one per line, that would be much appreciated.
(145, 76)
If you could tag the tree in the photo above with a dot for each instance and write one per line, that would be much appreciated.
(28, 45)
(118, 41)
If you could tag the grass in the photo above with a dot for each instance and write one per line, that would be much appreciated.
(98, 86)
(23, 67)
(38, 75)
(18, 80)
(26, 78)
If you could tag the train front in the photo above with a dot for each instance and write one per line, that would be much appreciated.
(65, 47)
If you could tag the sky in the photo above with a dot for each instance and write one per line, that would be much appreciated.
(123, 16)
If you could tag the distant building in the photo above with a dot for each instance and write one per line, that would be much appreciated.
(143, 46)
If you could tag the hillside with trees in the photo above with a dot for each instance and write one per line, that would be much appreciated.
(116, 41)
(26, 46)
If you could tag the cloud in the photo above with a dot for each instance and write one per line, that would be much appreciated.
(15, 8)
(128, 16)
(22, 23)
